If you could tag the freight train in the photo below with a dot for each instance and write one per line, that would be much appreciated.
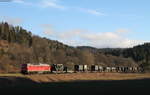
(60, 68)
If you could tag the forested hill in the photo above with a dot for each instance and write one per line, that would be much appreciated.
(18, 46)
(140, 54)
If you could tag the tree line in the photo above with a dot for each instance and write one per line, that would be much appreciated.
(140, 54)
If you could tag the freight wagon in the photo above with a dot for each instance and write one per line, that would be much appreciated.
(59, 68)
(80, 68)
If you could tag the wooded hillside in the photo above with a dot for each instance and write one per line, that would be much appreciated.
(18, 46)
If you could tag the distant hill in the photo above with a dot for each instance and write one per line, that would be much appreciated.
(140, 54)
(18, 46)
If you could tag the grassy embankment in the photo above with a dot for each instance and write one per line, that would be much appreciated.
(79, 76)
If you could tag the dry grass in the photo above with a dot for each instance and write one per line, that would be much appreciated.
(13, 75)
(85, 76)
(79, 76)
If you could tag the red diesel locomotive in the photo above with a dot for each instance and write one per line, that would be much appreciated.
(31, 68)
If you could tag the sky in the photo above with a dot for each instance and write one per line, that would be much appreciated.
(96, 23)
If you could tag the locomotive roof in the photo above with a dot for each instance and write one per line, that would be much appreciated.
(40, 64)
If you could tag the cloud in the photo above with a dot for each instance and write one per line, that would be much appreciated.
(5, 0)
(18, 1)
(110, 40)
(52, 4)
(80, 37)
(41, 4)
(71, 34)
(47, 29)
(123, 31)
(23, 2)
(11, 20)
(56, 4)
(91, 11)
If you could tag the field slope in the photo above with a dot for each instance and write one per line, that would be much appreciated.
(77, 84)
(43, 78)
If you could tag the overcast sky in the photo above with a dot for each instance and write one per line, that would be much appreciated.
(97, 23)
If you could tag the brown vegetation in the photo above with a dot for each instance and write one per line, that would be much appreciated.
(15, 55)
(79, 76)
(85, 76)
